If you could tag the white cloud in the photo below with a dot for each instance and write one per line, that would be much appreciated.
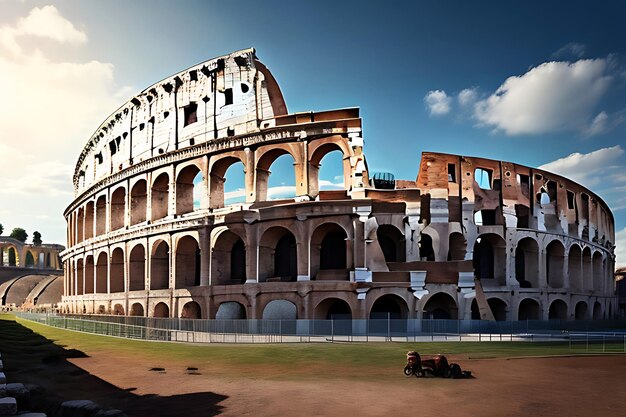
(553, 97)
(598, 125)
(571, 50)
(587, 169)
(437, 102)
(48, 111)
(620, 249)
(468, 96)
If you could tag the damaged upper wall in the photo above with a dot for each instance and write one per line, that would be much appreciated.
(512, 195)
(226, 96)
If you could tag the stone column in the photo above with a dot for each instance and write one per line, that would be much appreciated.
(250, 170)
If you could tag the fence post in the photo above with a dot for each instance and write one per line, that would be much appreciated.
(332, 329)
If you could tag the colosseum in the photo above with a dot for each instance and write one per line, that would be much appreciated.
(151, 233)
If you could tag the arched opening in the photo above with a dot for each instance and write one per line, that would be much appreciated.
(136, 310)
(228, 259)
(529, 310)
(498, 308)
(80, 223)
(457, 247)
(231, 310)
(139, 202)
(191, 310)
(333, 309)
(280, 184)
(526, 265)
(187, 262)
(227, 182)
(117, 270)
(558, 310)
(118, 208)
(189, 184)
(160, 266)
(575, 268)
(161, 310)
(118, 310)
(427, 252)
(47, 261)
(441, 306)
(89, 275)
(389, 307)
(392, 243)
(30, 261)
(12, 256)
(597, 311)
(101, 215)
(280, 310)
(489, 258)
(328, 253)
(160, 197)
(89, 220)
(327, 169)
(80, 277)
(580, 312)
(278, 258)
(555, 256)
(101, 273)
(137, 268)
(587, 269)
(598, 273)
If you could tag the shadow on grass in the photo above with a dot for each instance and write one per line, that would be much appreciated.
(32, 359)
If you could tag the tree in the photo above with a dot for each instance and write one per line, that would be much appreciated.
(1, 229)
(36, 238)
(19, 234)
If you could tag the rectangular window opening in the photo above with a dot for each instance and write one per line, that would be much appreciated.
(570, 200)
(483, 177)
(451, 173)
(191, 113)
(228, 96)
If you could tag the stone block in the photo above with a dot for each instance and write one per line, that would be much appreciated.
(3, 390)
(3, 378)
(1, 365)
(79, 408)
(20, 393)
(8, 406)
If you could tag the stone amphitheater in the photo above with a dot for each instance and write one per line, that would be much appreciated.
(151, 232)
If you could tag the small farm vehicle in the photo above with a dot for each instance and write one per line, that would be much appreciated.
(435, 366)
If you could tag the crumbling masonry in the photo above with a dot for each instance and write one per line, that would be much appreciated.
(470, 238)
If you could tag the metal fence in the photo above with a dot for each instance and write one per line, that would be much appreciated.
(593, 336)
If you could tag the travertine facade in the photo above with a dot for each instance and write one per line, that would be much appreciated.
(471, 238)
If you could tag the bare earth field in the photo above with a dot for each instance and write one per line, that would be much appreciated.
(161, 379)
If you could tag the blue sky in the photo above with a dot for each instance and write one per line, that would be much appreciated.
(537, 83)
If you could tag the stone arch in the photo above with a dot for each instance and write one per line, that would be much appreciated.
(280, 310)
(489, 258)
(457, 247)
(47, 262)
(102, 265)
(555, 268)
(228, 258)
(217, 177)
(160, 265)
(187, 262)
(161, 310)
(597, 311)
(101, 215)
(392, 243)
(89, 274)
(80, 225)
(278, 255)
(389, 306)
(13, 256)
(159, 199)
(117, 270)
(191, 310)
(333, 308)
(575, 267)
(139, 202)
(118, 310)
(441, 306)
(526, 263)
(427, 250)
(498, 308)
(318, 152)
(80, 277)
(137, 310)
(186, 183)
(89, 214)
(29, 260)
(265, 159)
(328, 259)
(231, 310)
(137, 268)
(598, 272)
(529, 309)
(118, 208)
(580, 311)
(557, 310)
(587, 269)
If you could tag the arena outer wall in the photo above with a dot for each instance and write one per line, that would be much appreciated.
(470, 238)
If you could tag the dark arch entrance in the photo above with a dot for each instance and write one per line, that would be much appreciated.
(333, 309)
(529, 310)
(441, 306)
(389, 306)
(391, 242)
(191, 310)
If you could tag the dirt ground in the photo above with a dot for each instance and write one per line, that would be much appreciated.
(562, 386)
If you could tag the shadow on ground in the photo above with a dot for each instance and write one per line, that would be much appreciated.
(32, 359)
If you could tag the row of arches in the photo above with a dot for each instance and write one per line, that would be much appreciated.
(28, 257)
(210, 183)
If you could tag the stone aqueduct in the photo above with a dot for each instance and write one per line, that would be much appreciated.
(470, 238)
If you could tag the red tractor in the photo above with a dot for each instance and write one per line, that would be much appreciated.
(435, 366)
